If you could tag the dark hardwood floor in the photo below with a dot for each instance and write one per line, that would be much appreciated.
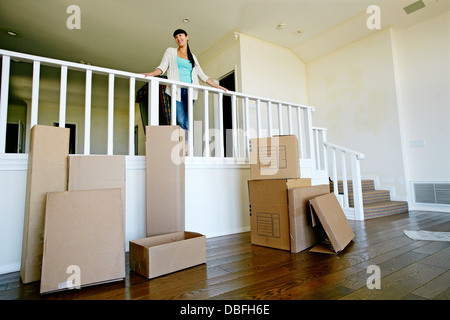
(237, 270)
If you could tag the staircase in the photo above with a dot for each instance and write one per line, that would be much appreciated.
(376, 203)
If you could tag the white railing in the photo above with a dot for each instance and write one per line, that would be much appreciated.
(252, 116)
(337, 167)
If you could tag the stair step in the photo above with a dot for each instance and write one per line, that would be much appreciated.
(371, 197)
(367, 185)
(384, 208)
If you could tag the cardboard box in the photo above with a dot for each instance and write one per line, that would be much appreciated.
(165, 178)
(47, 172)
(155, 256)
(278, 217)
(302, 233)
(274, 158)
(329, 214)
(98, 172)
(83, 239)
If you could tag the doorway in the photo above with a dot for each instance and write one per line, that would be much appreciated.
(73, 135)
(15, 137)
(228, 82)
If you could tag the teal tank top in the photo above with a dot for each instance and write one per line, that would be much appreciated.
(185, 70)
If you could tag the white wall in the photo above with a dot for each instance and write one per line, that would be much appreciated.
(216, 202)
(424, 82)
(354, 93)
(271, 71)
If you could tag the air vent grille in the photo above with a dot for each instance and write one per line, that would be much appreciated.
(414, 7)
(432, 193)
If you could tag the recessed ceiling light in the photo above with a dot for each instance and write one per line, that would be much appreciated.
(186, 20)
(11, 33)
(281, 26)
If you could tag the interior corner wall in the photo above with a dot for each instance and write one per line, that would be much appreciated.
(353, 90)
(272, 71)
(424, 80)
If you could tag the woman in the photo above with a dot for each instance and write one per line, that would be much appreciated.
(182, 65)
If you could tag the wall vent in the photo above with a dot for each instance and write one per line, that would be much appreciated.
(432, 193)
(414, 7)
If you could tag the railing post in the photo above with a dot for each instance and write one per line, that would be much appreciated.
(334, 169)
(63, 97)
(87, 113)
(234, 125)
(308, 133)
(246, 127)
(153, 102)
(191, 121)
(300, 135)
(269, 118)
(291, 128)
(131, 118)
(221, 152)
(280, 119)
(357, 188)
(110, 137)
(4, 91)
(344, 178)
(173, 105)
(35, 93)
(206, 122)
(258, 117)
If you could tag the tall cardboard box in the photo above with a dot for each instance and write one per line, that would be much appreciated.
(47, 172)
(98, 172)
(165, 179)
(279, 213)
(274, 158)
(83, 239)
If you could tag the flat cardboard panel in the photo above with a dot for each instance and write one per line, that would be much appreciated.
(98, 172)
(302, 233)
(155, 256)
(333, 220)
(269, 212)
(274, 158)
(83, 229)
(165, 178)
(47, 172)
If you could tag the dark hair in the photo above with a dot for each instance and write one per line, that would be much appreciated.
(190, 56)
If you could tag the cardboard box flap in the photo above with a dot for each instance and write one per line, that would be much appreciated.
(333, 220)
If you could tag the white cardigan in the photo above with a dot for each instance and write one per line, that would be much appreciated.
(169, 63)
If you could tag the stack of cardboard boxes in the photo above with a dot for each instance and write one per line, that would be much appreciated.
(287, 212)
(74, 215)
(74, 226)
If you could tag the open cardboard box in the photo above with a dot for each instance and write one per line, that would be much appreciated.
(159, 255)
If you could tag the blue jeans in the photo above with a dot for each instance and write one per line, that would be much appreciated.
(182, 110)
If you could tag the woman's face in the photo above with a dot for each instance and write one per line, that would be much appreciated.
(181, 39)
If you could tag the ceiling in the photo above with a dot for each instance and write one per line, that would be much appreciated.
(132, 35)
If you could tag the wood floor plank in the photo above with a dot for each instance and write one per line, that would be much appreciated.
(237, 270)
